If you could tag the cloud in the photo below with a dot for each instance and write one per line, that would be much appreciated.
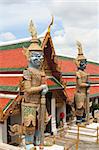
(74, 20)
(20, 13)
(6, 2)
(8, 36)
(62, 44)
(65, 44)
(76, 13)
(80, 22)
(59, 33)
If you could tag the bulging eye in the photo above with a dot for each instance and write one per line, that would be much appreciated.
(39, 56)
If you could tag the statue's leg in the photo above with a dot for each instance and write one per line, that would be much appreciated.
(79, 115)
(29, 121)
(78, 119)
(84, 117)
(79, 100)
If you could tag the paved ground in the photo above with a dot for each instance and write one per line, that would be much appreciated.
(82, 146)
(87, 146)
(86, 143)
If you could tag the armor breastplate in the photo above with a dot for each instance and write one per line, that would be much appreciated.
(36, 80)
(34, 76)
(83, 77)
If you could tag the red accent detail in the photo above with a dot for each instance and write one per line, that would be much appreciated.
(62, 115)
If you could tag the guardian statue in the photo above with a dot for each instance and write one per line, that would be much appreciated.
(82, 86)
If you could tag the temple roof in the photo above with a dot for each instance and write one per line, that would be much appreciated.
(68, 66)
(13, 62)
(12, 53)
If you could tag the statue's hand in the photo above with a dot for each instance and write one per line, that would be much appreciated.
(44, 89)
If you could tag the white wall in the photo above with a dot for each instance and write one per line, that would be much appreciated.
(53, 112)
(3, 132)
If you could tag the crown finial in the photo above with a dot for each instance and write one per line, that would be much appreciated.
(32, 30)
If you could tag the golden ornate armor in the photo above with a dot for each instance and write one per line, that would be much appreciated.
(80, 95)
(82, 86)
(32, 87)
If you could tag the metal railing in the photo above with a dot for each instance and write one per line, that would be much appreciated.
(60, 139)
(78, 133)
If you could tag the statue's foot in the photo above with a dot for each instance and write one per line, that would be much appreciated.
(78, 123)
(83, 124)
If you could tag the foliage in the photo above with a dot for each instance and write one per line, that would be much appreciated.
(95, 106)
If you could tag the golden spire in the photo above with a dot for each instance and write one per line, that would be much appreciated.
(32, 30)
(50, 24)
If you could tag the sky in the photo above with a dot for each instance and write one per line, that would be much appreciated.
(74, 20)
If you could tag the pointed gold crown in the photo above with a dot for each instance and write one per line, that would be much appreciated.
(80, 54)
(32, 30)
(34, 46)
